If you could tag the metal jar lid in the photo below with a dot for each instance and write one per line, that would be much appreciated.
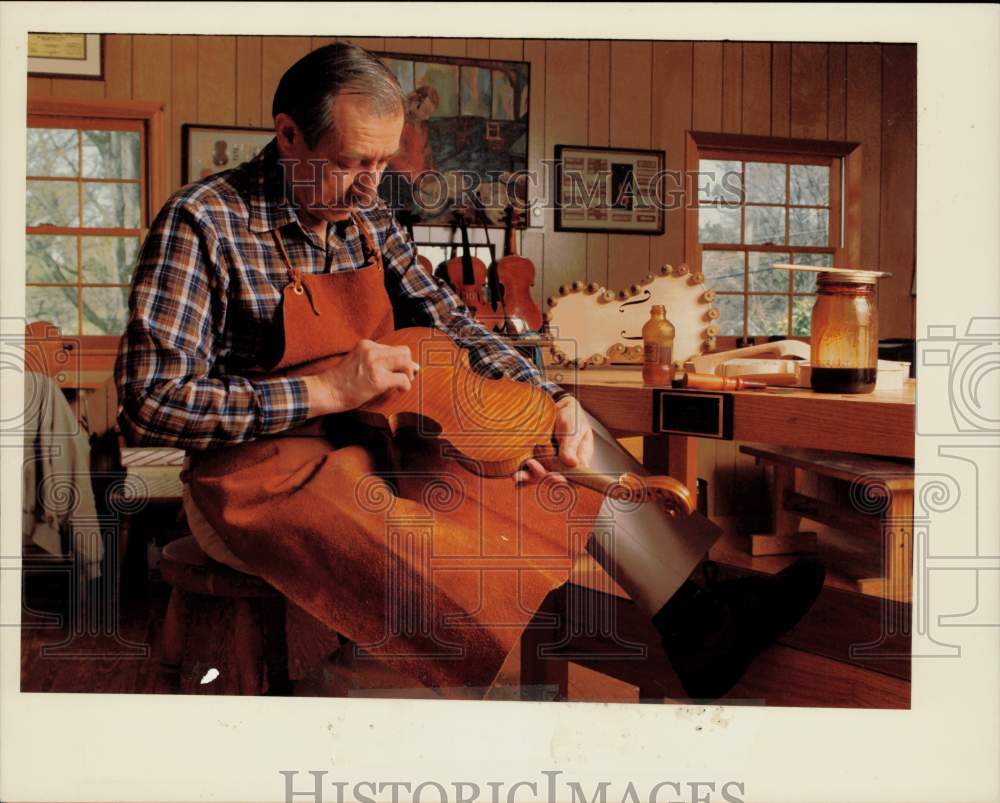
(847, 277)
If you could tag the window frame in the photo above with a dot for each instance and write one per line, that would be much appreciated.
(845, 161)
(147, 118)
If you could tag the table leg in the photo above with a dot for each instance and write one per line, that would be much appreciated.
(786, 538)
(675, 456)
(897, 551)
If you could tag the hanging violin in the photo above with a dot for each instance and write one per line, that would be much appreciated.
(516, 277)
(467, 273)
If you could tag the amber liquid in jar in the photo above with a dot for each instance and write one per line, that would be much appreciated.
(657, 348)
(844, 337)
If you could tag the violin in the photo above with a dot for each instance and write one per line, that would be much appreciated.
(467, 274)
(492, 425)
(516, 277)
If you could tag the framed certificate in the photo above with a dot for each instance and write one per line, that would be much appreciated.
(210, 149)
(613, 190)
(68, 55)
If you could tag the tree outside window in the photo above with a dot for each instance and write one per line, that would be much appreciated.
(85, 215)
(756, 210)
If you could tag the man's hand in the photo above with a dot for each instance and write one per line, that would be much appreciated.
(368, 370)
(575, 439)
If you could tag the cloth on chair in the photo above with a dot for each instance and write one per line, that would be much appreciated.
(56, 490)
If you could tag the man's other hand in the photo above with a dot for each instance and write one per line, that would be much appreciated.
(575, 438)
(368, 370)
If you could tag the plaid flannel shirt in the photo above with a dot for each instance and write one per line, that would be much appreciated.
(206, 288)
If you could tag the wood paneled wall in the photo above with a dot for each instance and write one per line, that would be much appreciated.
(624, 93)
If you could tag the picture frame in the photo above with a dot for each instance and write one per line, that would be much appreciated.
(466, 124)
(609, 190)
(210, 149)
(66, 55)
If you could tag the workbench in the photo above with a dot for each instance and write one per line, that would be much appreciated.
(671, 421)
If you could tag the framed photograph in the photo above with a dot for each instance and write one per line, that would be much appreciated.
(613, 190)
(466, 130)
(210, 149)
(66, 55)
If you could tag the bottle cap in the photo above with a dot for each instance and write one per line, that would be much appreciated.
(658, 308)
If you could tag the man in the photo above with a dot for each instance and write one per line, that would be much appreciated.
(225, 265)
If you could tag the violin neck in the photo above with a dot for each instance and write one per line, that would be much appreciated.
(599, 481)
(510, 245)
(468, 275)
(589, 478)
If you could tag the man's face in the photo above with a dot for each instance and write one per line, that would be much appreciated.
(342, 171)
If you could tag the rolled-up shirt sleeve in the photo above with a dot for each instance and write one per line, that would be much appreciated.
(167, 392)
(423, 301)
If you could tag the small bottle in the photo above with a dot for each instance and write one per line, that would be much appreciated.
(658, 348)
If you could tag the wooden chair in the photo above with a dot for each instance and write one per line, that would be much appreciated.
(882, 502)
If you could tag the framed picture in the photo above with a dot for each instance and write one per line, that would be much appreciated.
(614, 190)
(210, 149)
(69, 55)
(466, 131)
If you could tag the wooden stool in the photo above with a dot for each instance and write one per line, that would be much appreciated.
(882, 496)
(259, 634)
(259, 627)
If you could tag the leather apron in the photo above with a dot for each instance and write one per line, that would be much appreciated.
(422, 564)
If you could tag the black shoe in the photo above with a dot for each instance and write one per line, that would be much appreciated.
(712, 634)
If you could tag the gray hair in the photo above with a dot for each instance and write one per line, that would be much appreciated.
(308, 88)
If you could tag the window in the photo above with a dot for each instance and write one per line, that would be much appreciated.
(761, 206)
(87, 209)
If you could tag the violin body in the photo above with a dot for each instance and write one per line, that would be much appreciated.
(425, 263)
(467, 275)
(492, 425)
(516, 276)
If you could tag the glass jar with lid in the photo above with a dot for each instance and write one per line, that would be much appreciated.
(844, 337)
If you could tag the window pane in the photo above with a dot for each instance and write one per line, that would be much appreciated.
(53, 203)
(111, 154)
(764, 278)
(802, 314)
(111, 206)
(723, 269)
(719, 224)
(57, 305)
(51, 259)
(768, 315)
(805, 281)
(765, 224)
(109, 260)
(53, 152)
(810, 185)
(719, 180)
(809, 227)
(765, 183)
(730, 320)
(105, 310)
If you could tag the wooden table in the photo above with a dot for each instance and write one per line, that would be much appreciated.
(879, 423)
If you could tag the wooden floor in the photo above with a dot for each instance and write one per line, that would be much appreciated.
(68, 658)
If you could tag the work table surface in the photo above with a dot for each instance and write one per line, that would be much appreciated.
(881, 422)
